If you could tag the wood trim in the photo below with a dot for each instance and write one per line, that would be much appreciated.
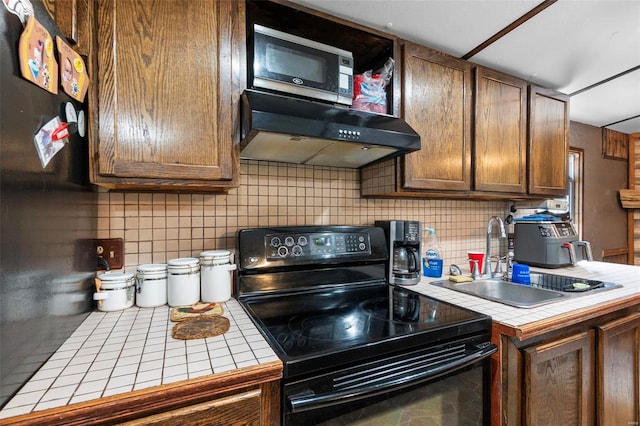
(512, 26)
(615, 252)
(579, 207)
(631, 184)
(558, 322)
(617, 255)
(606, 80)
(119, 408)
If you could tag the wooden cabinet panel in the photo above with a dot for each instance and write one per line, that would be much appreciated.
(247, 396)
(619, 372)
(548, 141)
(168, 109)
(437, 104)
(73, 21)
(559, 380)
(241, 409)
(615, 145)
(500, 132)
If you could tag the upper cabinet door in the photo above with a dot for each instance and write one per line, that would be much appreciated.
(500, 132)
(436, 100)
(170, 74)
(548, 141)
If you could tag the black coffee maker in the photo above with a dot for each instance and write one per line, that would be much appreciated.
(403, 240)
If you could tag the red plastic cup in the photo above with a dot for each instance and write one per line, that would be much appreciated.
(476, 255)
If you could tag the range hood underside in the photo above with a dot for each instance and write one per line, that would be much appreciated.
(312, 151)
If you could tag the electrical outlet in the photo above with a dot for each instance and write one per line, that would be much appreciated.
(111, 250)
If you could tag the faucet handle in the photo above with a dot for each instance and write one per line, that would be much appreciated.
(498, 269)
(475, 270)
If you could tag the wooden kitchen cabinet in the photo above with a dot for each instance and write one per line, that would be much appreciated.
(436, 102)
(167, 82)
(559, 382)
(587, 373)
(472, 123)
(246, 396)
(548, 142)
(73, 20)
(500, 142)
(619, 371)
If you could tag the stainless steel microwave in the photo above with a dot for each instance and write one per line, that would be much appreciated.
(290, 64)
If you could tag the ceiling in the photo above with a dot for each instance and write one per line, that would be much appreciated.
(588, 49)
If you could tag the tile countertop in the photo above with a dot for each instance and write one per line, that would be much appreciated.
(118, 352)
(627, 275)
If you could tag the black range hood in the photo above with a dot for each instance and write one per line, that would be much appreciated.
(292, 130)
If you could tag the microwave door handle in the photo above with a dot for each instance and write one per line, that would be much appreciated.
(308, 400)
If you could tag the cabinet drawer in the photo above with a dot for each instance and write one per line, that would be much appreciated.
(240, 409)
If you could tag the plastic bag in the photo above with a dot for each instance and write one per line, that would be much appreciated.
(369, 92)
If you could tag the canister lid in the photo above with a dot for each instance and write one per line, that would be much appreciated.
(215, 256)
(112, 280)
(153, 267)
(183, 261)
(184, 264)
(115, 276)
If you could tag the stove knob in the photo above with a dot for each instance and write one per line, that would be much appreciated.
(289, 241)
(297, 251)
(275, 242)
(283, 251)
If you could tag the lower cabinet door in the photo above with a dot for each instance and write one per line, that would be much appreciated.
(559, 382)
(240, 409)
(619, 371)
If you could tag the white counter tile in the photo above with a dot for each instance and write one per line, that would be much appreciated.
(117, 352)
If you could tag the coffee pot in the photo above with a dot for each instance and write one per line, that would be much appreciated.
(405, 260)
(403, 239)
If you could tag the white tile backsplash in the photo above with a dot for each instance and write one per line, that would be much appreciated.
(161, 226)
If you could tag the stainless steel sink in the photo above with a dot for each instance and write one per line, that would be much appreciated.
(520, 296)
(544, 288)
(575, 286)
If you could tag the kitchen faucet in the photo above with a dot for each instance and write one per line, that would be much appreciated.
(487, 254)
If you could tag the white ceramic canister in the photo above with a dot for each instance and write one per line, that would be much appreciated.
(183, 281)
(216, 271)
(117, 291)
(151, 285)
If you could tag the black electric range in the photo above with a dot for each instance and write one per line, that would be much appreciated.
(319, 296)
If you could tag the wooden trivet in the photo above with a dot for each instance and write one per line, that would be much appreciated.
(200, 328)
(197, 310)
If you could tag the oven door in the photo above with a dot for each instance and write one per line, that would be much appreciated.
(446, 384)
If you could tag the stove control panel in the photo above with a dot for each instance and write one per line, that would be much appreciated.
(265, 250)
(314, 245)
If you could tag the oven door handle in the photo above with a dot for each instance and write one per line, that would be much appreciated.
(305, 401)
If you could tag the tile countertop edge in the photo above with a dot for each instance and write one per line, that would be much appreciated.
(524, 323)
(163, 397)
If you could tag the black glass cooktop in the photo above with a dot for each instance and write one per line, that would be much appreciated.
(357, 322)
